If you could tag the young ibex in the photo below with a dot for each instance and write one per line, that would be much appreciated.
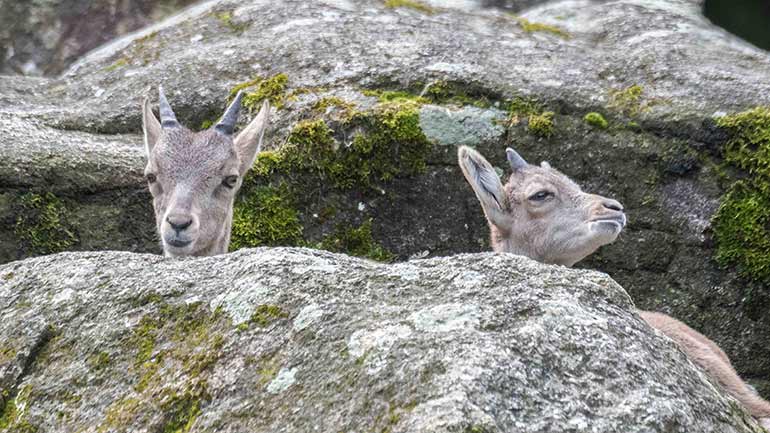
(542, 214)
(193, 176)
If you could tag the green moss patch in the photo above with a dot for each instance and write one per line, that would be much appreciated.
(324, 104)
(13, 413)
(356, 242)
(100, 361)
(444, 92)
(142, 51)
(539, 121)
(388, 143)
(266, 314)
(7, 352)
(265, 216)
(182, 409)
(530, 27)
(41, 224)
(410, 4)
(225, 18)
(332, 154)
(440, 92)
(541, 124)
(186, 339)
(396, 96)
(596, 120)
(627, 100)
(742, 224)
(272, 89)
(117, 64)
(392, 145)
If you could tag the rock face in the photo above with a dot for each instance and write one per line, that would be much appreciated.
(44, 37)
(298, 340)
(372, 102)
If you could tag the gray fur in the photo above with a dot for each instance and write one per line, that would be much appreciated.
(193, 178)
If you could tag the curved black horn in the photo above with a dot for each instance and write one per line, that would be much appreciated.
(516, 161)
(227, 123)
(167, 117)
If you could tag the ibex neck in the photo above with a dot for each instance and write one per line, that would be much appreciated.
(221, 245)
(505, 243)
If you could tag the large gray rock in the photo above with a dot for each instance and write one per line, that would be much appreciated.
(657, 70)
(45, 36)
(297, 340)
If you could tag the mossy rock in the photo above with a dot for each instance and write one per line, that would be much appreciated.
(742, 223)
(42, 224)
(383, 143)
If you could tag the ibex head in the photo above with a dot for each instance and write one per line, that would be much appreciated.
(540, 213)
(193, 176)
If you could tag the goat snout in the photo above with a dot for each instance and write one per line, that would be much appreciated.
(609, 203)
(179, 222)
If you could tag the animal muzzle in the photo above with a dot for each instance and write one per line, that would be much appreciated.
(179, 230)
(608, 213)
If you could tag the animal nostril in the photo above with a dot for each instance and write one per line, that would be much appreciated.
(179, 223)
(612, 204)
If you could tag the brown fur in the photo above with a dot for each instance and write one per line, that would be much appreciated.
(563, 230)
(711, 358)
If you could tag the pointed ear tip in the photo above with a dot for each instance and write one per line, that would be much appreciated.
(466, 150)
(463, 153)
(264, 111)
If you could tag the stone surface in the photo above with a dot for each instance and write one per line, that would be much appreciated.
(298, 340)
(43, 37)
(660, 156)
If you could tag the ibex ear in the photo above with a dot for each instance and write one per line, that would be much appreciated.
(150, 126)
(485, 183)
(249, 141)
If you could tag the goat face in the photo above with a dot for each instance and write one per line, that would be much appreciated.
(540, 212)
(193, 177)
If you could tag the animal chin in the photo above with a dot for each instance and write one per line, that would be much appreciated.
(608, 226)
(618, 219)
(177, 244)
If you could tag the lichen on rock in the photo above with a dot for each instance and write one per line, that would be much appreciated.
(471, 331)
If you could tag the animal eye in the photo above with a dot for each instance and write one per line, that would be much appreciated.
(540, 195)
(229, 181)
(151, 178)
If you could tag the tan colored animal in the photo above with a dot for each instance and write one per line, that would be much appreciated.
(193, 176)
(542, 214)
